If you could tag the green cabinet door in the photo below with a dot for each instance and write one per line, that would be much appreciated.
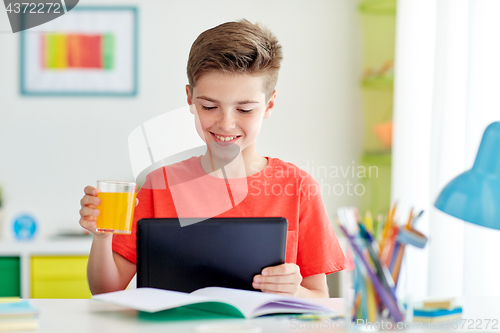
(10, 277)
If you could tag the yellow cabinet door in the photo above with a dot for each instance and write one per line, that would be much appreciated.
(59, 277)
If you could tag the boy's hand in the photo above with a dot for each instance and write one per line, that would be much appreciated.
(89, 211)
(281, 279)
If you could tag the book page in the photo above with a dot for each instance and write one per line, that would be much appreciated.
(150, 299)
(255, 303)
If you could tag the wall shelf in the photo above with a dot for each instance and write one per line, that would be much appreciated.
(378, 83)
(378, 7)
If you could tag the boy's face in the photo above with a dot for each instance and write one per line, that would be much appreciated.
(230, 108)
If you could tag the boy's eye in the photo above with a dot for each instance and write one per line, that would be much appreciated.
(208, 107)
(245, 111)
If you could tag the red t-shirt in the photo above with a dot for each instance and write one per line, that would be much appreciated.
(280, 189)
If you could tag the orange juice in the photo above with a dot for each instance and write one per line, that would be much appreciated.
(117, 210)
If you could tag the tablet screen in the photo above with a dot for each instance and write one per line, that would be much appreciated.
(222, 252)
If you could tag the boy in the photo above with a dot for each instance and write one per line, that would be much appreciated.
(232, 71)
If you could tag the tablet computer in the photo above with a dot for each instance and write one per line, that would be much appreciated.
(222, 252)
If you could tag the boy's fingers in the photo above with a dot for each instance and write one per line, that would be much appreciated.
(91, 226)
(276, 292)
(283, 269)
(87, 211)
(90, 190)
(272, 287)
(87, 223)
(279, 270)
(290, 278)
(90, 200)
(94, 201)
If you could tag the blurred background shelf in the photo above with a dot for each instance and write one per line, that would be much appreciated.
(45, 269)
(378, 83)
(378, 21)
(378, 7)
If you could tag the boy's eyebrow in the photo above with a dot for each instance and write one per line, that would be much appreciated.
(215, 101)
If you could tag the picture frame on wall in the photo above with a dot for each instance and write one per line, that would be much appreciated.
(89, 51)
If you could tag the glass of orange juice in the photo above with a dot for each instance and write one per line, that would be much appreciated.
(117, 206)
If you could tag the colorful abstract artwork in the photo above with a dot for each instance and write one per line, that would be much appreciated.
(61, 51)
(89, 51)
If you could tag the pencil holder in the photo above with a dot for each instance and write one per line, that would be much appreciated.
(375, 257)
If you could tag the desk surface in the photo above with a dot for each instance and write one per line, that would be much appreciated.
(89, 316)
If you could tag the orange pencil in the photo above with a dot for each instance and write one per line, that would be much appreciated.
(390, 243)
(387, 227)
(357, 302)
(399, 258)
(397, 265)
(410, 220)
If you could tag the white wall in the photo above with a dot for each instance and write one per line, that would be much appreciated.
(51, 148)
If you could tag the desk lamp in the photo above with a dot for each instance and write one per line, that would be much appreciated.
(474, 196)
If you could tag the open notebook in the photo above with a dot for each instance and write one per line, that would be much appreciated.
(227, 301)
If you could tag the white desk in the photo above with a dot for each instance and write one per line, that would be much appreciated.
(89, 316)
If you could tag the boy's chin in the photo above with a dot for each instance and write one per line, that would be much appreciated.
(226, 153)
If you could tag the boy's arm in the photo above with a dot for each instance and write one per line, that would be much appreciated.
(107, 270)
(313, 286)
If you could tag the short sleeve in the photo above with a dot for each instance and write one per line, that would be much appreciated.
(319, 250)
(126, 244)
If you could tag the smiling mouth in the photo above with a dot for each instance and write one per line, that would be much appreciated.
(225, 138)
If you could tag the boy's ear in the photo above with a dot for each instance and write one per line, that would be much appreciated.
(270, 105)
(188, 95)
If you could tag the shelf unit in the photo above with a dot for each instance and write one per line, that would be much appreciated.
(61, 261)
(378, 23)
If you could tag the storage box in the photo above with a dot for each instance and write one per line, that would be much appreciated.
(59, 277)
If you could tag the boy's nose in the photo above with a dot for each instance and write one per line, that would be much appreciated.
(226, 121)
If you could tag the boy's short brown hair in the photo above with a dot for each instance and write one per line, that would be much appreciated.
(236, 47)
